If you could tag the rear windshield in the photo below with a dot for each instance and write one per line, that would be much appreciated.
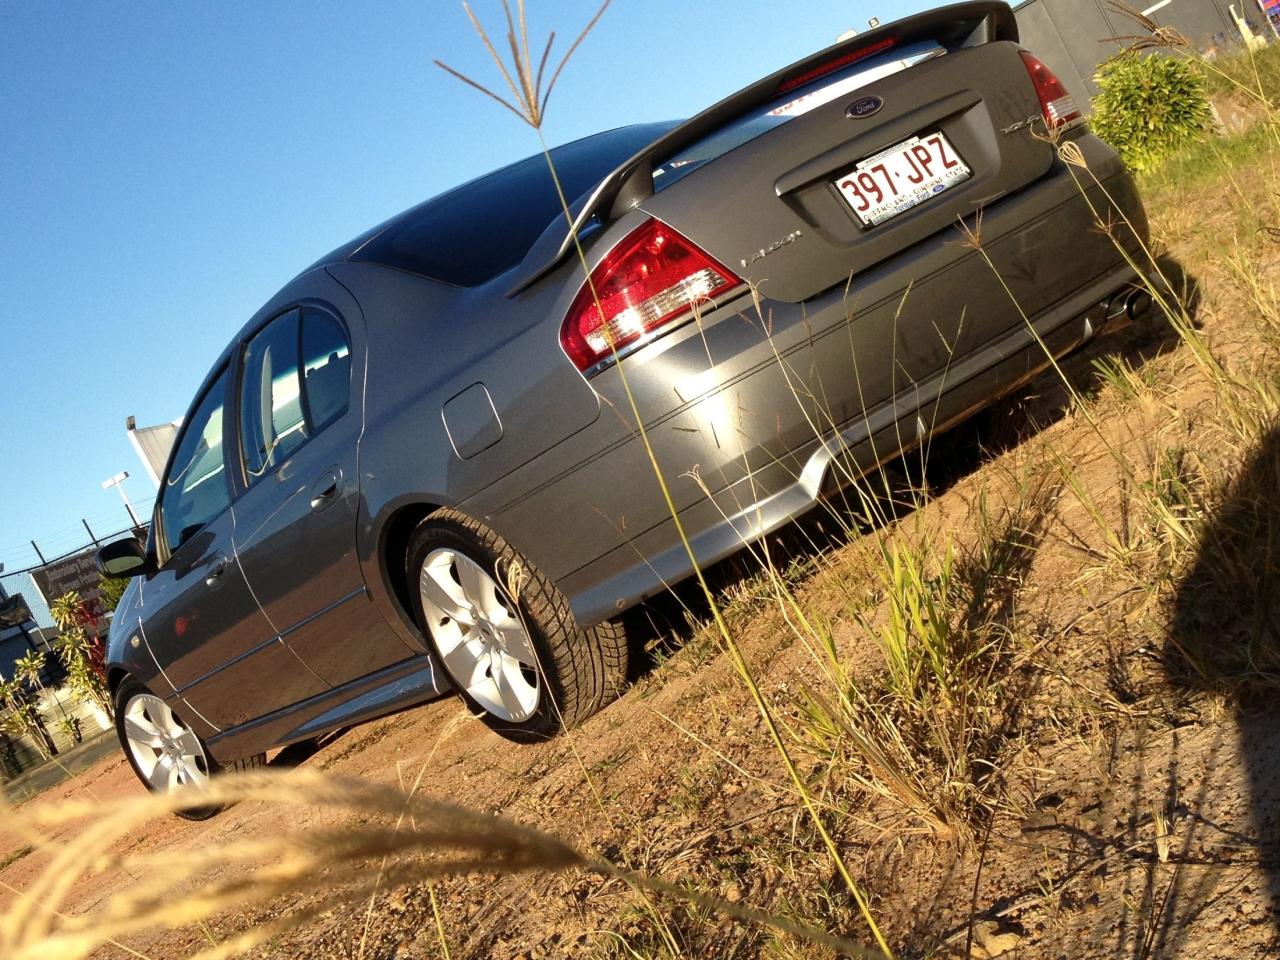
(482, 228)
(790, 105)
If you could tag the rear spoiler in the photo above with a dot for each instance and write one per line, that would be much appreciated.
(955, 26)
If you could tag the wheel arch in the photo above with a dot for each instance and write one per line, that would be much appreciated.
(115, 677)
(393, 552)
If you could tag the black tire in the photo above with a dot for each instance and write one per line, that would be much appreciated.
(579, 671)
(128, 691)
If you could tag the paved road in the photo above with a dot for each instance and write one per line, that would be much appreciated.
(61, 767)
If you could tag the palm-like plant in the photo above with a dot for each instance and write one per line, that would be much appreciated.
(81, 652)
(29, 668)
(22, 719)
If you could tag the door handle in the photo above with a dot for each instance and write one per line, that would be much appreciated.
(325, 490)
(216, 570)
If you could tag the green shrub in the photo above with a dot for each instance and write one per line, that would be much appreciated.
(1149, 107)
(110, 591)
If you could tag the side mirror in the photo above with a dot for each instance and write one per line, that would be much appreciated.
(122, 559)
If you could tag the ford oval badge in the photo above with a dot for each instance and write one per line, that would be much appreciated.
(864, 107)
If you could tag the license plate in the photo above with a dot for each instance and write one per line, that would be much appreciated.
(895, 180)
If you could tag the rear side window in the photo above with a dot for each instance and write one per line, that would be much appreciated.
(271, 421)
(326, 365)
(476, 231)
(296, 381)
(790, 105)
(195, 489)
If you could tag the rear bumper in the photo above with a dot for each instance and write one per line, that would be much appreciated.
(779, 492)
(751, 413)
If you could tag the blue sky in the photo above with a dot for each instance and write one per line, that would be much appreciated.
(168, 165)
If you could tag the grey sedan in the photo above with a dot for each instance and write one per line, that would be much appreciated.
(428, 462)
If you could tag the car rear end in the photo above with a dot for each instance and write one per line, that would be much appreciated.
(877, 241)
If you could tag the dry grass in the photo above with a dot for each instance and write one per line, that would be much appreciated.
(392, 838)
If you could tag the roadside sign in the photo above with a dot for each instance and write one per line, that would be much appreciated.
(77, 572)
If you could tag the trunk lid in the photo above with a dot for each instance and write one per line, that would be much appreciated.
(770, 207)
(761, 180)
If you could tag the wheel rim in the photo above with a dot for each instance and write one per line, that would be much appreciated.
(485, 646)
(167, 752)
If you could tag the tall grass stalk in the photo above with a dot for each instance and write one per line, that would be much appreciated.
(180, 887)
(531, 105)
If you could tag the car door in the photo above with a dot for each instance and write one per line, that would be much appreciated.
(206, 630)
(295, 520)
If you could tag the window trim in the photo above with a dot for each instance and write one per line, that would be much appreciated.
(248, 477)
(242, 480)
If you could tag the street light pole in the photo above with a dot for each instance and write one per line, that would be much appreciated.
(118, 482)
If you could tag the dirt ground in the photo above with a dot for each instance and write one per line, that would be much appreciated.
(688, 789)
(1139, 811)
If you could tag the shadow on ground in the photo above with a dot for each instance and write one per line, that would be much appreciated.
(296, 754)
(1225, 640)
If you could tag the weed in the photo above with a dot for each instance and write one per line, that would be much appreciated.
(392, 840)
(930, 732)
(1128, 384)
(1149, 107)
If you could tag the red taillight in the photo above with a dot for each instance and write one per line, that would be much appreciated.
(652, 278)
(1056, 104)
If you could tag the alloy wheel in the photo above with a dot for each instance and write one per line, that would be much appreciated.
(167, 752)
(481, 638)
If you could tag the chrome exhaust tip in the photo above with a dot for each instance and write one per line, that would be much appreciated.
(1125, 307)
(1117, 307)
(1136, 303)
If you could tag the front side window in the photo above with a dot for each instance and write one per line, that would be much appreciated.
(272, 425)
(195, 489)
